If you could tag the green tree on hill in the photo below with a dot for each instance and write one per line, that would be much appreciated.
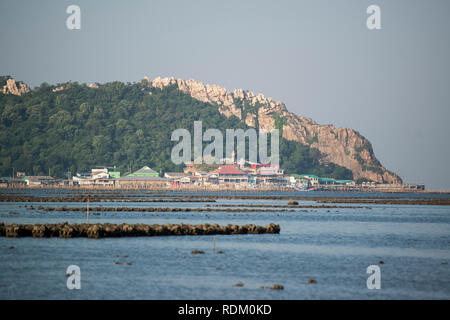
(116, 124)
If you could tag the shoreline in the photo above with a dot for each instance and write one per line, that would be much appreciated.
(219, 189)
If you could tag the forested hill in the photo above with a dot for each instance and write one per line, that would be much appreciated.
(76, 126)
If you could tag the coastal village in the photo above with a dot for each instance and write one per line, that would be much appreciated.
(235, 175)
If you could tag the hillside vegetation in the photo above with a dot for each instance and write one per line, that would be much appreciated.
(74, 127)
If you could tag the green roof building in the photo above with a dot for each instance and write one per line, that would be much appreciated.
(144, 172)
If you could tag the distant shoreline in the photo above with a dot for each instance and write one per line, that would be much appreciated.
(217, 189)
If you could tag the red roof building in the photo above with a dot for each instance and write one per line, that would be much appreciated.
(230, 174)
(228, 169)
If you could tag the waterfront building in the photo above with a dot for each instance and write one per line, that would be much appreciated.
(144, 172)
(230, 174)
(271, 176)
(100, 176)
(145, 177)
(349, 183)
(326, 181)
(143, 181)
(297, 180)
(312, 178)
(39, 180)
(178, 178)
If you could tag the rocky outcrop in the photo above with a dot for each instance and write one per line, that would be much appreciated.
(342, 146)
(14, 87)
(57, 89)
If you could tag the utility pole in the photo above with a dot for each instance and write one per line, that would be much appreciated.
(69, 177)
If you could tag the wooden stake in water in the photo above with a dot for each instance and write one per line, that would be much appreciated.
(214, 243)
(87, 212)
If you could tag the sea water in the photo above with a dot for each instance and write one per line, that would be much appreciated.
(333, 246)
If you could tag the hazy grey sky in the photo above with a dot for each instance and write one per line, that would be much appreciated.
(392, 85)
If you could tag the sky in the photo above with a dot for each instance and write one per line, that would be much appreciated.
(318, 57)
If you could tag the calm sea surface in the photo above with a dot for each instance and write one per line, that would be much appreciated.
(332, 245)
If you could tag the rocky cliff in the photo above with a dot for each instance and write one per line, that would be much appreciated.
(11, 86)
(342, 146)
